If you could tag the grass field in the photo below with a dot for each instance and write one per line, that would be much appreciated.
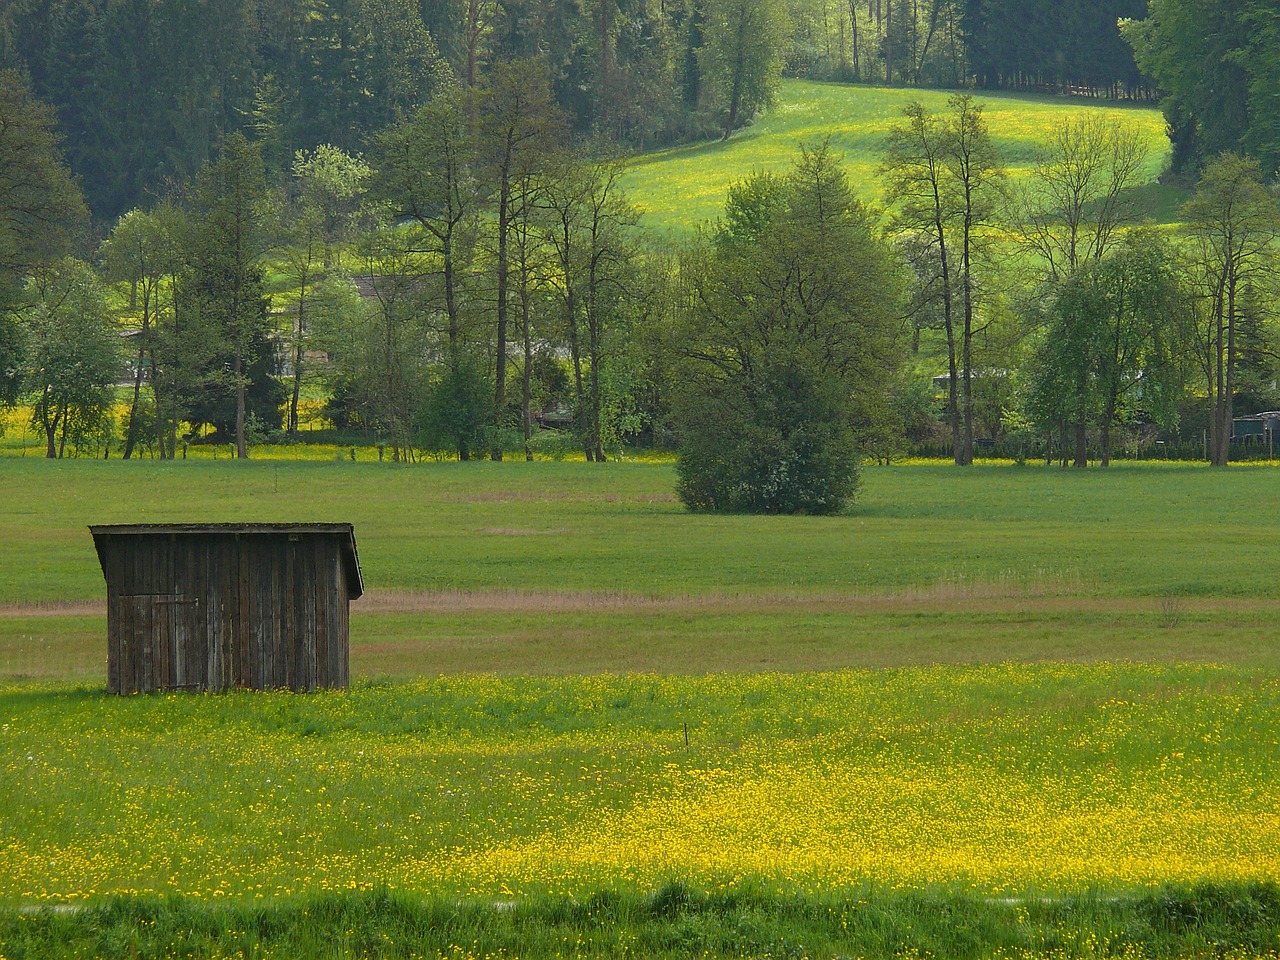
(977, 690)
(556, 568)
(682, 187)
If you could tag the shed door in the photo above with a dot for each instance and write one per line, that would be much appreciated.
(164, 643)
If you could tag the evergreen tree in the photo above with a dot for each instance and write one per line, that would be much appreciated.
(228, 238)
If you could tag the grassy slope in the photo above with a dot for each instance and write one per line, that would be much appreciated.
(680, 188)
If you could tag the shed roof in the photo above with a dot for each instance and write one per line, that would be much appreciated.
(345, 531)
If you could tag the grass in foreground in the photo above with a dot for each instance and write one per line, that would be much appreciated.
(998, 779)
(1225, 920)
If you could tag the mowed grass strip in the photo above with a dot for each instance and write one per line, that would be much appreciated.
(678, 189)
(1016, 780)
(424, 635)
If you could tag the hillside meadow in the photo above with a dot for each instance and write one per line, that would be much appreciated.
(680, 188)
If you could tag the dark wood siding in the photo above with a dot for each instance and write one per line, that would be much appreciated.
(208, 610)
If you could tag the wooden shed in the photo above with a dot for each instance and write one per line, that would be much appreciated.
(212, 606)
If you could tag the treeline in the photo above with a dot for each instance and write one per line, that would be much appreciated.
(479, 276)
(1067, 46)
(146, 90)
(1217, 65)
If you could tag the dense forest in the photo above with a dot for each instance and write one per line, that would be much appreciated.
(414, 217)
(145, 90)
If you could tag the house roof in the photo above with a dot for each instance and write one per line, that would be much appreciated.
(345, 531)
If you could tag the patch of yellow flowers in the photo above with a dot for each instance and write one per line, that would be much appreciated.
(1002, 779)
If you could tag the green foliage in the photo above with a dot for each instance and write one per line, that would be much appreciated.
(224, 288)
(1215, 61)
(1113, 348)
(1234, 222)
(458, 408)
(773, 440)
(39, 201)
(1173, 920)
(741, 55)
(71, 355)
(1056, 44)
(792, 333)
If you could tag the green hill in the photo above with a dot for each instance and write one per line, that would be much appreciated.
(681, 187)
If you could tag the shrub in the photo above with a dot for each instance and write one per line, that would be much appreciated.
(773, 442)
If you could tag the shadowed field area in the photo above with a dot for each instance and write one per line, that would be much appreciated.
(409, 634)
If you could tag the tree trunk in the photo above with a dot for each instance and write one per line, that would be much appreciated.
(132, 437)
(1082, 444)
(242, 447)
(853, 20)
(500, 365)
(50, 430)
(1228, 392)
(888, 43)
(526, 375)
(297, 361)
(473, 40)
(739, 68)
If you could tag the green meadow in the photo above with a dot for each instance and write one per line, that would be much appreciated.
(678, 189)
(587, 722)
(567, 567)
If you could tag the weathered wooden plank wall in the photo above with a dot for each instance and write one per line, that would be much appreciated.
(208, 612)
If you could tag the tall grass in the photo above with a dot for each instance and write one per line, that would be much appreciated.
(1235, 920)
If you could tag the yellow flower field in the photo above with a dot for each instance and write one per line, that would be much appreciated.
(995, 779)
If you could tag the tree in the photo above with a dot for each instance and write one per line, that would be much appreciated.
(228, 240)
(380, 346)
(741, 55)
(40, 204)
(328, 185)
(39, 207)
(457, 408)
(1077, 200)
(945, 178)
(589, 228)
(1215, 62)
(71, 355)
(139, 252)
(1110, 349)
(1234, 223)
(792, 328)
(519, 127)
(423, 172)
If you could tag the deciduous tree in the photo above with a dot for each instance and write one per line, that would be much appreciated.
(1234, 222)
(71, 354)
(741, 55)
(793, 325)
(227, 241)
